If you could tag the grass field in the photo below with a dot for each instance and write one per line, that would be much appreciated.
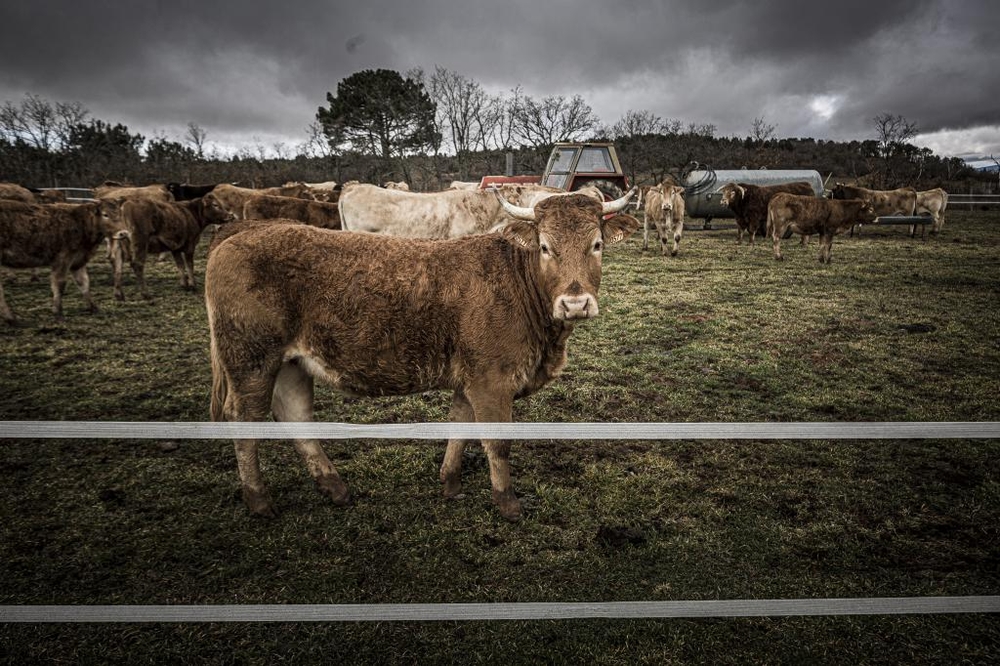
(895, 329)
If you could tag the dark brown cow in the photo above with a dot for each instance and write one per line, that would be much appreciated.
(485, 316)
(316, 213)
(173, 227)
(749, 203)
(814, 215)
(61, 236)
(187, 192)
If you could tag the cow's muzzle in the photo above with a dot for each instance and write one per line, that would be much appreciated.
(575, 307)
(124, 234)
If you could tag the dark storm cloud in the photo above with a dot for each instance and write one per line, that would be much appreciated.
(261, 69)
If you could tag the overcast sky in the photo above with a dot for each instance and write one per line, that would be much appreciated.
(255, 72)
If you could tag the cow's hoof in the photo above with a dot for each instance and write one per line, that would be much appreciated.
(452, 487)
(259, 503)
(509, 505)
(334, 488)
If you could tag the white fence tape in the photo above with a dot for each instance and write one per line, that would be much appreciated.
(656, 431)
(501, 611)
(498, 611)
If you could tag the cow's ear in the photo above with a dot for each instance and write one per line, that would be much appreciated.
(618, 228)
(521, 232)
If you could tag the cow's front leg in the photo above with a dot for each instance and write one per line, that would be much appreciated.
(451, 466)
(58, 283)
(776, 238)
(490, 407)
(82, 280)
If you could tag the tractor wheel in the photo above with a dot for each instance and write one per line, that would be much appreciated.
(610, 190)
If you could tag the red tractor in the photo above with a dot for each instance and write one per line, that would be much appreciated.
(575, 165)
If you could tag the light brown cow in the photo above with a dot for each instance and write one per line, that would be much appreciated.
(234, 197)
(174, 227)
(486, 316)
(15, 192)
(665, 210)
(316, 213)
(61, 236)
(150, 192)
(814, 215)
(933, 203)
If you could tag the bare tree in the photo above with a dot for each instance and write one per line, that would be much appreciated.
(892, 131)
(638, 123)
(39, 123)
(541, 122)
(460, 105)
(195, 136)
(761, 130)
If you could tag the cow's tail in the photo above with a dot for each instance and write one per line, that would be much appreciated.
(220, 387)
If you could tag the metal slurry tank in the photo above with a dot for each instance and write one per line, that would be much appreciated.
(701, 196)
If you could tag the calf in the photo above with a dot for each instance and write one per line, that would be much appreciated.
(316, 213)
(61, 236)
(173, 227)
(665, 208)
(487, 317)
(749, 203)
(814, 215)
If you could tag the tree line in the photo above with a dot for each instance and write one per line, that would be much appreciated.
(431, 128)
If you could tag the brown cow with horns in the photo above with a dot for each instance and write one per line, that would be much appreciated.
(487, 317)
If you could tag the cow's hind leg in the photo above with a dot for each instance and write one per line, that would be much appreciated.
(292, 401)
(451, 467)
(248, 399)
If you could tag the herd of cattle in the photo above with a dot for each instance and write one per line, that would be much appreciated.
(466, 290)
(37, 230)
(782, 209)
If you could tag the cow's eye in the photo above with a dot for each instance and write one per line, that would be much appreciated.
(598, 246)
(545, 249)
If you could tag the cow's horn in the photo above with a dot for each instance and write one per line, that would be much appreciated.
(517, 212)
(617, 205)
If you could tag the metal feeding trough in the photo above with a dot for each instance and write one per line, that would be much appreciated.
(903, 219)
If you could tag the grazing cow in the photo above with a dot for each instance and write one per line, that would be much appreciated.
(327, 191)
(316, 213)
(186, 192)
(901, 201)
(14, 192)
(151, 192)
(396, 185)
(933, 203)
(445, 214)
(749, 203)
(814, 215)
(61, 236)
(665, 209)
(486, 316)
(174, 227)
